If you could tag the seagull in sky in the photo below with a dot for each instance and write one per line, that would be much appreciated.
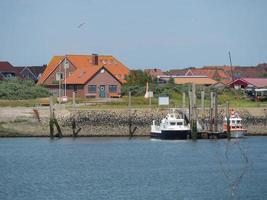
(81, 25)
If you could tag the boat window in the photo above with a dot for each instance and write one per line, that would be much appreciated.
(172, 123)
(179, 123)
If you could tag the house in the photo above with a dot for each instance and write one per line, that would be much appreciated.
(88, 76)
(31, 72)
(248, 82)
(7, 71)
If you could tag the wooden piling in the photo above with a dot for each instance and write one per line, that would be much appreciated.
(53, 121)
(74, 123)
(194, 113)
(211, 111)
(215, 112)
(202, 104)
(228, 134)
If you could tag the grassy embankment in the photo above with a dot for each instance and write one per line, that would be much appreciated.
(235, 100)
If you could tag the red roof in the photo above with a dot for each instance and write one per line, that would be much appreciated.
(85, 68)
(7, 67)
(257, 82)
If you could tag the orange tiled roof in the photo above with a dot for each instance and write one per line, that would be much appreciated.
(85, 69)
(196, 80)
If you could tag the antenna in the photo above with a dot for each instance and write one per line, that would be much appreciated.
(231, 65)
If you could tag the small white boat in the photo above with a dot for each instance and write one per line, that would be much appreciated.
(236, 128)
(173, 126)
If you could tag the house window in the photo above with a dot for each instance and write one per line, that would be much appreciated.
(59, 76)
(112, 88)
(91, 88)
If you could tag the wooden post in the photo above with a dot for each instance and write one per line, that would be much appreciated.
(74, 125)
(203, 104)
(215, 112)
(228, 121)
(183, 105)
(51, 121)
(211, 111)
(194, 113)
(130, 114)
(190, 105)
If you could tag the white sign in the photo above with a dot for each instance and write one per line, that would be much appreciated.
(163, 101)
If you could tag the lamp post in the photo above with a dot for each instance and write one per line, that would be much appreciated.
(66, 66)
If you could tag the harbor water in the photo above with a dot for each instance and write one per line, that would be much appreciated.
(140, 168)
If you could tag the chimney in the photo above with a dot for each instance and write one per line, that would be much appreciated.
(95, 59)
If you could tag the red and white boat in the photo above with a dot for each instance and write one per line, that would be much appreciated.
(236, 128)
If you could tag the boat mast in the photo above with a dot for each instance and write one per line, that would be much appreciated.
(231, 65)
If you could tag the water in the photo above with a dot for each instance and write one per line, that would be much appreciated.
(118, 168)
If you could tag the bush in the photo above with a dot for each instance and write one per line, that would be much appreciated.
(21, 89)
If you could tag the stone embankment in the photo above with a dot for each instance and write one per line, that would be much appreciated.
(115, 122)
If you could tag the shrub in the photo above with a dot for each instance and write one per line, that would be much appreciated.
(21, 89)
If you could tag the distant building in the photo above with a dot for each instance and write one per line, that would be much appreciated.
(31, 72)
(212, 73)
(87, 75)
(7, 71)
(199, 80)
(248, 82)
(154, 73)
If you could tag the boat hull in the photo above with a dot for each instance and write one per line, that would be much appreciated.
(171, 134)
(237, 134)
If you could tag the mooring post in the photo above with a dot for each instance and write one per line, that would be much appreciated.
(183, 105)
(203, 104)
(130, 114)
(51, 121)
(215, 112)
(74, 133)
(194, 113)
(190, 105)
(228, 121)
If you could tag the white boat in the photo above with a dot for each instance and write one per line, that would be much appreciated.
(236, 128)
(173, 126)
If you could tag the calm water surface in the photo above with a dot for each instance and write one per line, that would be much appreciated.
(119, 168)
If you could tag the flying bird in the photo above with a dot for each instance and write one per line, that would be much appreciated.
(81, 25)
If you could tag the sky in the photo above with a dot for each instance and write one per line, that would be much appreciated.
(164, 34)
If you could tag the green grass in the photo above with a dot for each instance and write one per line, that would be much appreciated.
(235, 100)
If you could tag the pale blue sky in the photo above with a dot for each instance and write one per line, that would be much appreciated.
(141, 33)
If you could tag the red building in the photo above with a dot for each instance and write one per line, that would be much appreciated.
(251, 82)
(87, 75)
